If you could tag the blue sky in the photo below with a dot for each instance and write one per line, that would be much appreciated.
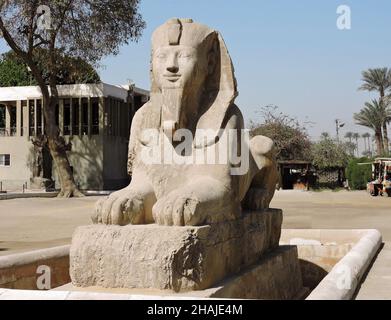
(287, 53)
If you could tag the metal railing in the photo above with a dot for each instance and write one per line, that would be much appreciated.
(13, 186)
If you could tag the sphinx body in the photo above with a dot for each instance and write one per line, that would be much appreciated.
(193, 91)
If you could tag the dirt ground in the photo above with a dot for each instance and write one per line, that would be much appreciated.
(35, 223)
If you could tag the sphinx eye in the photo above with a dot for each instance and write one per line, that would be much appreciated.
(184, 55)
(161, 55)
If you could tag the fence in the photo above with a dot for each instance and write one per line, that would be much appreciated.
(13, 186)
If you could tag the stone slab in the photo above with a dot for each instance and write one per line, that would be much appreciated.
(176, 258)
(277, 276)
(342, 282)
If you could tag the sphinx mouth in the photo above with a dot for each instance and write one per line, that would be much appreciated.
(172, 78)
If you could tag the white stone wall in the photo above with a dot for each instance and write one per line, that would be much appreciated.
(18, 172)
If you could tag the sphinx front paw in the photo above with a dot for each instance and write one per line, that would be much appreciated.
(177, 209)
(120, 208)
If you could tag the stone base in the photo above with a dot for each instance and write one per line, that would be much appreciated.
(176, 258)
(276, 276)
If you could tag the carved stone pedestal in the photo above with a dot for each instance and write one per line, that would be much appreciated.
(176, 258)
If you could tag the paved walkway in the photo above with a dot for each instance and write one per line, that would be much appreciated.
(377, 285)
(37, 223)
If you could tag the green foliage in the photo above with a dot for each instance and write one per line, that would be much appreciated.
(14, 72)
(328, 154)
(377, 79)
(359, 175)
(290, 138)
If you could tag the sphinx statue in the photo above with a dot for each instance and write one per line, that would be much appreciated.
(196, 214)
(193, 89)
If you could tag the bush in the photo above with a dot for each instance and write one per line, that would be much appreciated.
(328, 154)
(359, 175)
(289, 136)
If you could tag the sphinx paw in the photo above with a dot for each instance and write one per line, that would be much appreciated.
(120, 208)
(177, 210)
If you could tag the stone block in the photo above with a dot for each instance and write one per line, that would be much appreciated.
(277, 276)
(176, 258)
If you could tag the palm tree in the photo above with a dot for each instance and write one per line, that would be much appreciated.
(356, 136)
(366, 137)
(371, 116)
(379, 80)
(349, 135)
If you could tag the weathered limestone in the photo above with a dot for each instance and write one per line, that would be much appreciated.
(276, 276)
(177, 258)
(197, 208)
(191, 117)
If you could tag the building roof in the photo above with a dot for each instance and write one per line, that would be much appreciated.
(85, 90)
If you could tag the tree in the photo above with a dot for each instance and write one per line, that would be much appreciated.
(14, 72)
(328, 154)
(366, 136)
(356, 136)
(372, 116)
(379, 80)
(83, 29)
(352, 147)
(349, 135)
(290, 138)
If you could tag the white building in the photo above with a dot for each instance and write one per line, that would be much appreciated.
(95, 118)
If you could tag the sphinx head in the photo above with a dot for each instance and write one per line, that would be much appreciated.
(183, 54)
(184, 58)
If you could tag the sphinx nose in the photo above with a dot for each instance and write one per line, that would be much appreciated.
(172, 65)
(173, 69)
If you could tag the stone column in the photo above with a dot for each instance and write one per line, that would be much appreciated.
(19, 118)
(89, 117)
(26, 119)
(109, 110)
(119, 117)
(71, 116)
(35, 118)
(42, 118)
(61, 115)
(80, 124)
(8, 120)
(102, 128)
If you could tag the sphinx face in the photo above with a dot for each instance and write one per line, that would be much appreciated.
(179, 66)
(180, 73)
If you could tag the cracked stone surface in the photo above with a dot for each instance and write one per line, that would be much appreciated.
(167, 257)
